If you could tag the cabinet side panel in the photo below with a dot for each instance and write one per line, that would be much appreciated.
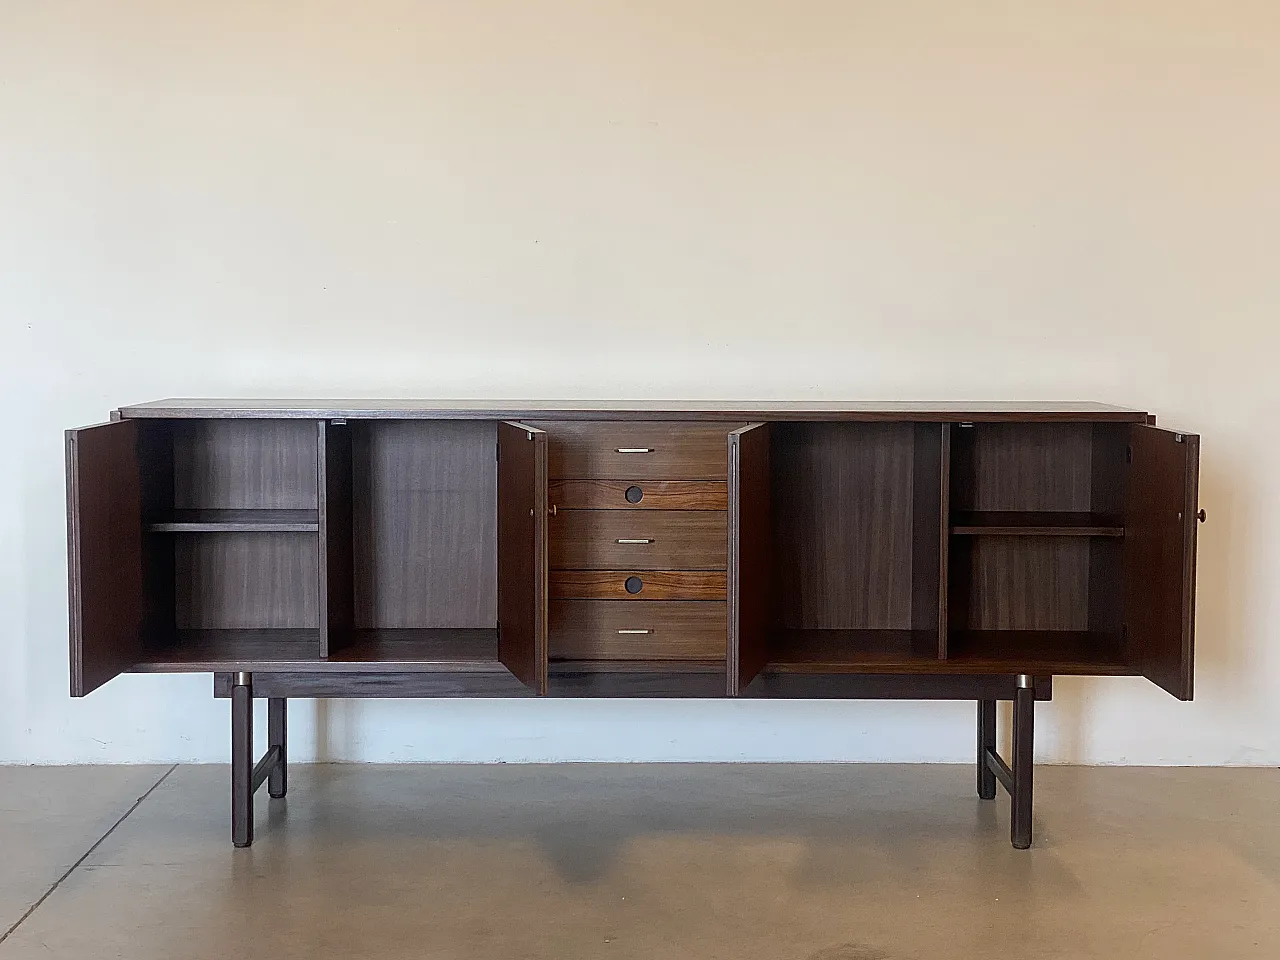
(105, 566)
(1160, 557)
(522, 553)
(750, 586)
(336, 538)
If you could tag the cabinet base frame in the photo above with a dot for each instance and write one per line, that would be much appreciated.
(276, 688)
(272, 768)
(992, 768)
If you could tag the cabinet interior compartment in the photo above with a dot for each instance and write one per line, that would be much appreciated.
(423, 543)
(856, 541)
(1036, 546)
(230, 515)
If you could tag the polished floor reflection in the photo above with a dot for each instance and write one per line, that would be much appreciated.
(808, 862)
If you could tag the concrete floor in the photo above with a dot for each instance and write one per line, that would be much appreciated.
(645, 862)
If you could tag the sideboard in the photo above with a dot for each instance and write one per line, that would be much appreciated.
(409, 548)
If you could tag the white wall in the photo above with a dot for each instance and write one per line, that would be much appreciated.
(669, 199)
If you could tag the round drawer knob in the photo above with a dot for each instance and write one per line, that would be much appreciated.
(634, 494)
(634, 585)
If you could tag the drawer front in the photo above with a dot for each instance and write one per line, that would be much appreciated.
(638, 585)
(652, 630)
(640, 494)
(638, 450)
(639, 540)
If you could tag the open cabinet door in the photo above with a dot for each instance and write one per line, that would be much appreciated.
(522, 553)
(749, 537)
(1160, 556)
(104, 552)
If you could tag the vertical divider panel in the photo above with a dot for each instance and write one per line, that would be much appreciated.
(750, 583)
(336, 537)
(931, 530)
(522, 553)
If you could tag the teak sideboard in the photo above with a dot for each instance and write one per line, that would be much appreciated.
(406, 548)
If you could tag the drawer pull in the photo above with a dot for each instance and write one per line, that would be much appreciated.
(635, 631)
(635, 449)
(633, 540)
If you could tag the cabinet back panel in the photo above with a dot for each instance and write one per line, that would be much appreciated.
(1028, 583)
(425, 515)
(843, 536)
(244, 464)
(1023, 466)
(246, 580)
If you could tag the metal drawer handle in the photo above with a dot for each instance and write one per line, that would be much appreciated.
(633, 540)
(635, 449)
(635, 631)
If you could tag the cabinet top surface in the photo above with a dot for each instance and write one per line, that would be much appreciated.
(395, 409)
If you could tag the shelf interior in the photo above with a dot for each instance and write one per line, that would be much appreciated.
(1036, 523)
(1038, 651)
(848, 651)
(445, 650)
(237, 521)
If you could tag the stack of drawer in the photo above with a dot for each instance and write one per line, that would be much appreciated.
(638, 541)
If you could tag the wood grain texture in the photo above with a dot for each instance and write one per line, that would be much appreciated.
(678, 540)
(1160, 556)
(336, 539)
(691, 410)
(606, 630)
(1024, 467)
(1037, 524)
(246, 580)
(929, 534)
(583, 450)
(425, 519)
(658, 585)
(1032, 651)
(842, 525)
(654, 495)
(573, 683)
(105, 562)
(522, 553)
(228, 464)
(853, 651)
(1028, 583)
(237, 521)
(750, 555)
(263, 651)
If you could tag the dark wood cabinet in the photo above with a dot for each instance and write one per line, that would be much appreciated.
(415, 548)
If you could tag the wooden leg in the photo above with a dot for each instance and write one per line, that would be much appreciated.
(242, 760)
(1023, 761)
(986, 741)
(278, 736)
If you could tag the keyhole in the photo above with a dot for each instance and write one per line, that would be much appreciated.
(634, 585)
(634, 494)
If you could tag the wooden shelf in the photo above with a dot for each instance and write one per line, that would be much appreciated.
(1038, 651)
(238, 521)
(370, 651)
(204, 651)
(1036, 524)
(440, 649)
(854, 651)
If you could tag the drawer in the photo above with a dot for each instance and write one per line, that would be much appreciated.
(639, 540)
(637, 585)
(637, 450)
(652, 630)
(640, 494)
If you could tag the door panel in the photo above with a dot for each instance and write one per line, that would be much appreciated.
(522, 553)
(749, 560)
(1160, 556)
(104, 552)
